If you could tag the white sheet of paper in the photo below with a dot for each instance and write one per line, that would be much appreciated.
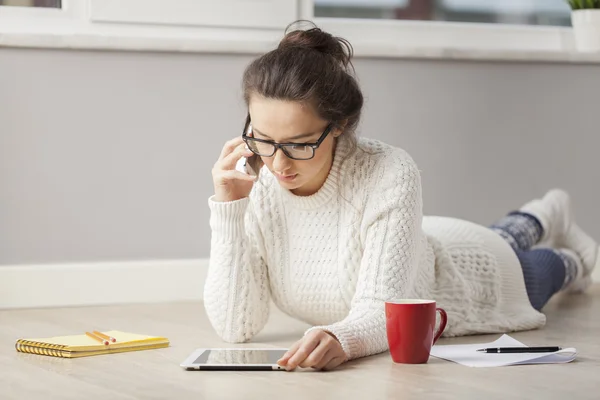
(467, 354)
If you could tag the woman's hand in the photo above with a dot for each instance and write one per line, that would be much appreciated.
(319, 350)
(230, 184)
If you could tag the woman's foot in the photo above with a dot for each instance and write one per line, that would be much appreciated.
(580, 285)
(554, 213)
(586, 247)
(560, 230)
(576, 280)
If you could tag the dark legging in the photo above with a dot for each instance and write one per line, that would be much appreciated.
(545, 271)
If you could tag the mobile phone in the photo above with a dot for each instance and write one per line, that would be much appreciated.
(245, 165)
(249, 165)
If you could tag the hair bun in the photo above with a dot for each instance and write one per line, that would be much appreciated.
(318, 40)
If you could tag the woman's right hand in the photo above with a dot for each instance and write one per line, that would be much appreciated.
(231, 184)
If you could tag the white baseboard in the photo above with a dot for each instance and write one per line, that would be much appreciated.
(83, 284)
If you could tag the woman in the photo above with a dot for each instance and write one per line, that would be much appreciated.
(332, 226)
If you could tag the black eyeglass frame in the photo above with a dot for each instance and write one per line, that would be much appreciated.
(283, 146)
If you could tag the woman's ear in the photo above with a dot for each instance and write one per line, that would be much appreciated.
(339, 128)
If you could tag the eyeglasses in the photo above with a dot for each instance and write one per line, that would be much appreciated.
(295, 151)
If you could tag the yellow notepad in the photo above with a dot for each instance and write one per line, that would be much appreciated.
(81, 345)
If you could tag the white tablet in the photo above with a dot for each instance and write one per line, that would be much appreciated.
(235, 359)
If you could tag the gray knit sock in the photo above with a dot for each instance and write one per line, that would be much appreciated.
(573, 266)
(521, 230)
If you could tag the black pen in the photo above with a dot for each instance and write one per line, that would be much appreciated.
(497, 350)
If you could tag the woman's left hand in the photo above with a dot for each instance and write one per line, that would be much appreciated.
(319, 350)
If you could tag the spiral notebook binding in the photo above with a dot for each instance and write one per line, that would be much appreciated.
(43, 352)
(46, 349)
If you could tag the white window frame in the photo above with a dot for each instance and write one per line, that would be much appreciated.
(258, 14)
(400, 37)
(36, 19)
(75, 27)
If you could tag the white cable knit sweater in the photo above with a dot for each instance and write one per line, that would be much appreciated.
(333, 258)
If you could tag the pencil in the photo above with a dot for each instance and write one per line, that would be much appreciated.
(103, 336)
(104, 342)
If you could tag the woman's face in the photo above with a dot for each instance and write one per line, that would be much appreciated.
(292, 122)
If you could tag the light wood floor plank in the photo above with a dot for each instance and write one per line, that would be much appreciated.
(155, 374)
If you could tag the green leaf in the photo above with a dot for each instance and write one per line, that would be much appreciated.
(584, 4)
(575, 4)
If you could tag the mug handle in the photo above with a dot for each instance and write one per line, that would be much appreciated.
(444, 320)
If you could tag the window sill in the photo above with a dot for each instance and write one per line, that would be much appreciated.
(73, 41)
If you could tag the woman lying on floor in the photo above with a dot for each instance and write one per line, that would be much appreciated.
(332, 227)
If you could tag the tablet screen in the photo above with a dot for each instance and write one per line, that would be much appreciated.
(239, 356)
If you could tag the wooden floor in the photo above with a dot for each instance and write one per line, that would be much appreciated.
(155, 374)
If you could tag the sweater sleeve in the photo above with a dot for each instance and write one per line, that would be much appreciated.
(388, 270)
(236, 293)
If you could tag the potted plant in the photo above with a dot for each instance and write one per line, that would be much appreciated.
(586, 24)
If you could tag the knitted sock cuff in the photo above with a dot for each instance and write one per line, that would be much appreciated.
(521, 230)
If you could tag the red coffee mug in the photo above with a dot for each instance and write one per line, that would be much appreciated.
(410, 325)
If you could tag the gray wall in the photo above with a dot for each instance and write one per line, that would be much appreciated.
(107, 156)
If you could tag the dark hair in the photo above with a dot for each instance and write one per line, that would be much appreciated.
(309, 66)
